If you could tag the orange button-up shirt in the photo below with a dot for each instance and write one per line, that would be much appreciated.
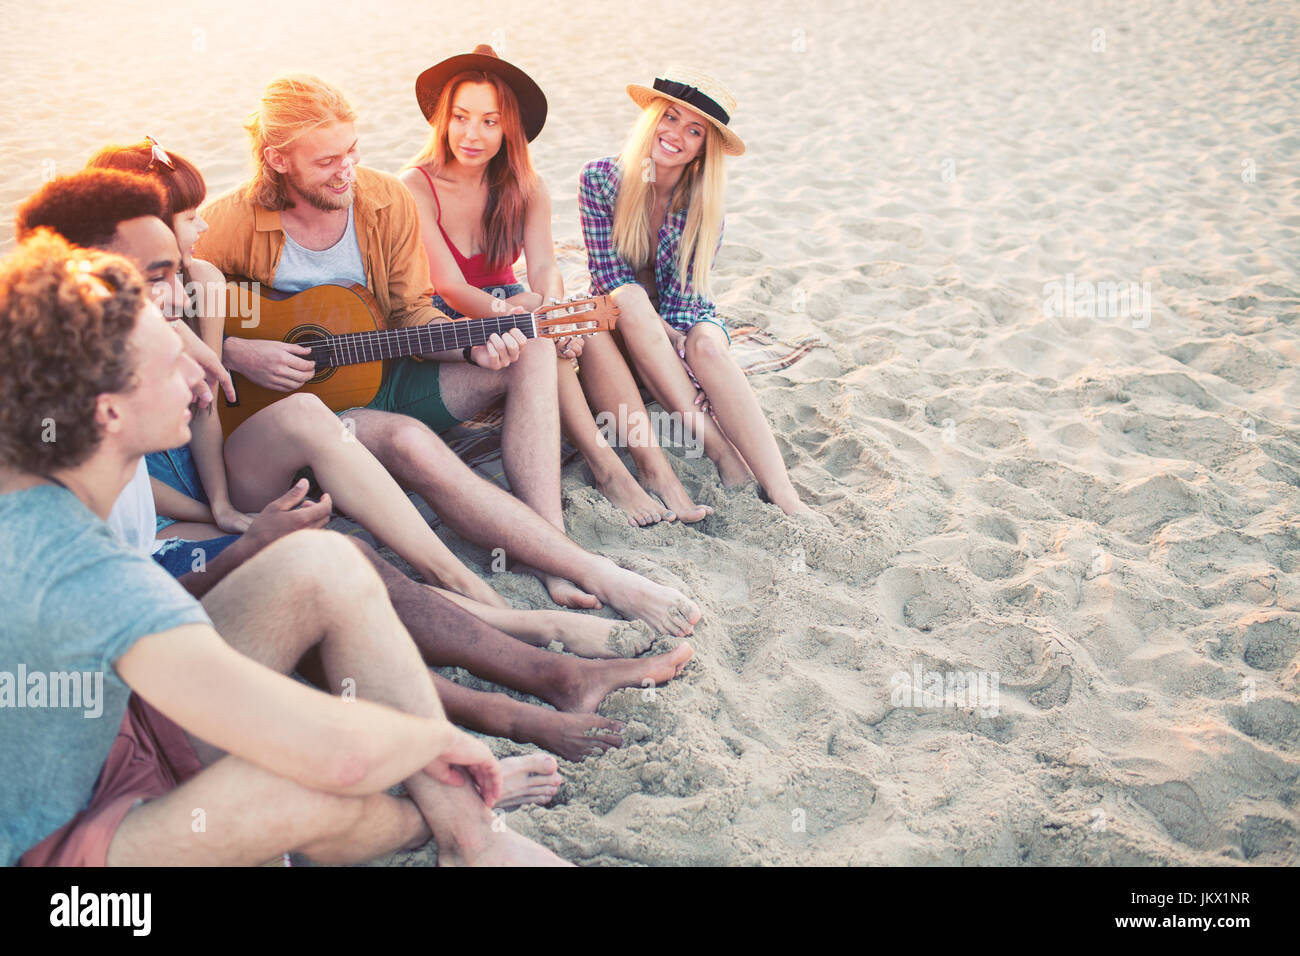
(244, 239)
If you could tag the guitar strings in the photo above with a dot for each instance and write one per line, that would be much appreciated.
(355, 346)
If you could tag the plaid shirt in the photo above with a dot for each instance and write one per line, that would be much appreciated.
(679, 305)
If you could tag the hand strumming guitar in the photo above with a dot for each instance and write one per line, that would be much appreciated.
(270, 364)
(292, 511)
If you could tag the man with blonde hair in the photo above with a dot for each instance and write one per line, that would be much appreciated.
(311, 216)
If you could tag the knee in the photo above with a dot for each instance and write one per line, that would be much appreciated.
(705, 345)
(322, 564)
(304, 415)
(536, 358)
(410, 442)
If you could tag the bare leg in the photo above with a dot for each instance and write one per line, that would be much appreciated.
(610, 387)
(612, 478)
(739, 414)
(343, 614)
(263, 454)
(530, 437)
(485, 514)
(583, 634)
(642, 331)
(447, 635)
(250, 816)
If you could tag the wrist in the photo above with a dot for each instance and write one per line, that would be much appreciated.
(232, 352)
(468, 355)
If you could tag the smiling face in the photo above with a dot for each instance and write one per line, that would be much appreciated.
(320, 168)
(474, 133)
(679, 137)
(154, 412)
(188, 226)
(152, 249)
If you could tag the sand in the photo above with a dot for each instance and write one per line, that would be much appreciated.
(1089, 504)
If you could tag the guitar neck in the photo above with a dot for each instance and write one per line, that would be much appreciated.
(354, 348)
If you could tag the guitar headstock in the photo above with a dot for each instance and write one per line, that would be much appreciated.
(579, 317)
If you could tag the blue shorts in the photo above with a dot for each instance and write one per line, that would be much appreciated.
(175, 468)
(718, 322)
(500, 291)
(180, 557)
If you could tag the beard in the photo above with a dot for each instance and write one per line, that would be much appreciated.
(321, 198)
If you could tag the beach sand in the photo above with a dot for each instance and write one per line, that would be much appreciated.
(1093, 507)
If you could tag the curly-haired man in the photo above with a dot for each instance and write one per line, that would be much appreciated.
(94, 774)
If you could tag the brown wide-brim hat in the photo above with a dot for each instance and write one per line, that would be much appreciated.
(532, 102)
(697, 91)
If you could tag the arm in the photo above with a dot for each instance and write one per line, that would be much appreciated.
(291, 512)
(544, 275)
(411, 290)
(207, 440)
(348, 747)
(177, 505)
(685, 306)
(228, 246)
(214, 373)
(597, 195)
(447, 278)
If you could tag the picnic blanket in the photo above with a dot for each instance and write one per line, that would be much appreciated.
(478, 441)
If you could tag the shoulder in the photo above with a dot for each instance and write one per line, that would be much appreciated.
(601, 174)
(205, 272)
(378, 184)
(228, 205)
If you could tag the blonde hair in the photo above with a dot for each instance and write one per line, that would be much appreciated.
(292, 106)
(700, 191)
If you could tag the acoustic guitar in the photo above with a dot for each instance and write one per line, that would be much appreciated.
(344, 329)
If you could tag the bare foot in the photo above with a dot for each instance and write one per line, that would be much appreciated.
(573, 736)
(501, 846)
(562, 591)
(789, 502)
(665, 609)
(593, 681)
(667, 487)
(471, 586)
(528, 779)
(641, 509)
(567, 594)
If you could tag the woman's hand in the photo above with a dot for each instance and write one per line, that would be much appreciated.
(702, 404)
(229, 519)
(569, 347)
(677, 339)
(464, 758)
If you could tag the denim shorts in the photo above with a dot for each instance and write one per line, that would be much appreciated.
(500, 291)
(179, 557)
(175, 468)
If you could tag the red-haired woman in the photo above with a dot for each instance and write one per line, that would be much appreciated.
(481, 204)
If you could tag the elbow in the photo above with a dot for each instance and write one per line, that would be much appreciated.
(349, 763)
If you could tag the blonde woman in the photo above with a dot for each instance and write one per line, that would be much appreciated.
(652, 222)
(481, 204)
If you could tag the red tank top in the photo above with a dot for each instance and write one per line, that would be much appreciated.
(475, 268)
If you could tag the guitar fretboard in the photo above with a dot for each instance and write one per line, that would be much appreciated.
(354, 348)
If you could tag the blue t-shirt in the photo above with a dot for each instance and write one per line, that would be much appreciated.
(73, 600)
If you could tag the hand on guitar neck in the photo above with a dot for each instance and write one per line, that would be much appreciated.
(332, 340)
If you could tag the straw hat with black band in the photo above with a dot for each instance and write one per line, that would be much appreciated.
(532, 102)
(697, 91)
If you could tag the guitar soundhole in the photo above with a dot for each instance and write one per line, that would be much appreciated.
(315, 338)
